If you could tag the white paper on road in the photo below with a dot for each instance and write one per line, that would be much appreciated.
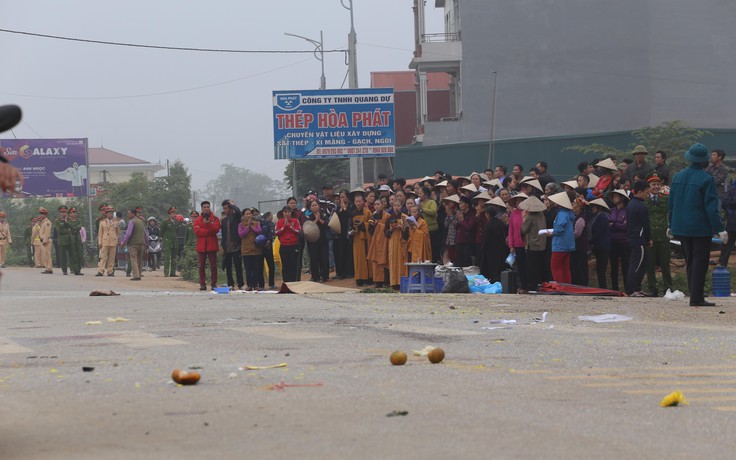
(609, 318)
(542, 319)
(503, 321)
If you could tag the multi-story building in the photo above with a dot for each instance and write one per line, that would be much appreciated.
(539, 75)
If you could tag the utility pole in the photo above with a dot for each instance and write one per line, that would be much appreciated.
(319, 54)
(491, 153)
(356, 164)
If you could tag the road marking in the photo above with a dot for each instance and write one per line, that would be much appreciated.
(284, 333)
(8, 347)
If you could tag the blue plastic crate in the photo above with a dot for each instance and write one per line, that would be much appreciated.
(439, 283)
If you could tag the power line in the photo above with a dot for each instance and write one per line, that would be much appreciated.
(161, 93)
(160, 47)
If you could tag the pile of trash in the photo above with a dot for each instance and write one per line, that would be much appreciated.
(459, 280)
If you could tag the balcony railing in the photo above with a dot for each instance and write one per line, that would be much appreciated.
(441, 38)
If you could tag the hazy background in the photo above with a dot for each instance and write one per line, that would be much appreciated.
(205, 109)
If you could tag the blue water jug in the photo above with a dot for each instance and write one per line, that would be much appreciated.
(721, 282)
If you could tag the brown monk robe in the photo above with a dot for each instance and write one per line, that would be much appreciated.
(378, 246)
(359, 219)
(419, 246)
(397, 244)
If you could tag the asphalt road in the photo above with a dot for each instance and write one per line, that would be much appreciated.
(558, 389)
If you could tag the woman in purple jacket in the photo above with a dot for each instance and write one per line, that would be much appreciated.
(619, 239)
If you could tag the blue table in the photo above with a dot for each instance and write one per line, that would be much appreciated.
(425, 274)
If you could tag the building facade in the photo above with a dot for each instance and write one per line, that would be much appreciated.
(531, 69)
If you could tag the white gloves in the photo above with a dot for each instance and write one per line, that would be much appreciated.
(669, 233)
(724, 237)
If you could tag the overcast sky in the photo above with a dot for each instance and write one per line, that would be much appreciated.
(218, 107)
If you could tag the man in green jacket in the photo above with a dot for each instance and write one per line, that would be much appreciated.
(659, 252)
(65, 231)
(170, 236)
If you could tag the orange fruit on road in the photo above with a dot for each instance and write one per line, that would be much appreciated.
(398, 358)
(437, 355)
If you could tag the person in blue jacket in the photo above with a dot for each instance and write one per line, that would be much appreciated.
(694, 219)
(563, 238)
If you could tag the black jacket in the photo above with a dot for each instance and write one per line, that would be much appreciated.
(638, 223)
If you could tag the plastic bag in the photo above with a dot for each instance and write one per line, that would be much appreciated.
(677, 295)
(455, 282)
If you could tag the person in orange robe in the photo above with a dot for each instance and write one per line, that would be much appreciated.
(360, 217)
(378, 247)
(397, 233)
(419, 246)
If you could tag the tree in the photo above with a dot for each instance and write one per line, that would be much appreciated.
(244, 186)
(313, 174)
(673, 137)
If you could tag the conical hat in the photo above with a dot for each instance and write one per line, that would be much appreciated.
(608, 164)
(527, 179)
(496, 201)
(454, 198)
(622, 192)
(334, 223)
(521, 196)
(534, 183)
(592, 180)
(441, 184)
(311, 231)
(561, 199)
(571, 183)
(532, 204)
(426, 178)
(470, 188)
(493, 183)
(600, 202)
(357, 190)
(483, 196)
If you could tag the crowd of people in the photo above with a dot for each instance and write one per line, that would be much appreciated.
(616, 215)
(621, 217)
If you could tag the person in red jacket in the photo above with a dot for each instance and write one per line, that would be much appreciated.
(206, 227)
(287, 229)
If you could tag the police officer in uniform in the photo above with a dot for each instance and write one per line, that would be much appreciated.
(170, 237)
(44, 234)
(77, 247)
(659, 252)
(66, 230)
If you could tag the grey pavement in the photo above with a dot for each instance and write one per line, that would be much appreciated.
(558, 389)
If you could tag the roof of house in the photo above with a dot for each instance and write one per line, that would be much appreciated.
(103, 156)
(404, 80)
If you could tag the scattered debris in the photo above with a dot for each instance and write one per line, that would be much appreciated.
(424, 351)
(677, 295)
(673, 399)
(100, 292)
(260, 368)
(542, 319)
(282, 386)
(397, 413)
(609, 318)
(87, 369)
(185, 377)
(93, 323)
(119, 319)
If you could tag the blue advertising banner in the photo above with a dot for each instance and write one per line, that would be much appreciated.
(333, 123)
(50, 167)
